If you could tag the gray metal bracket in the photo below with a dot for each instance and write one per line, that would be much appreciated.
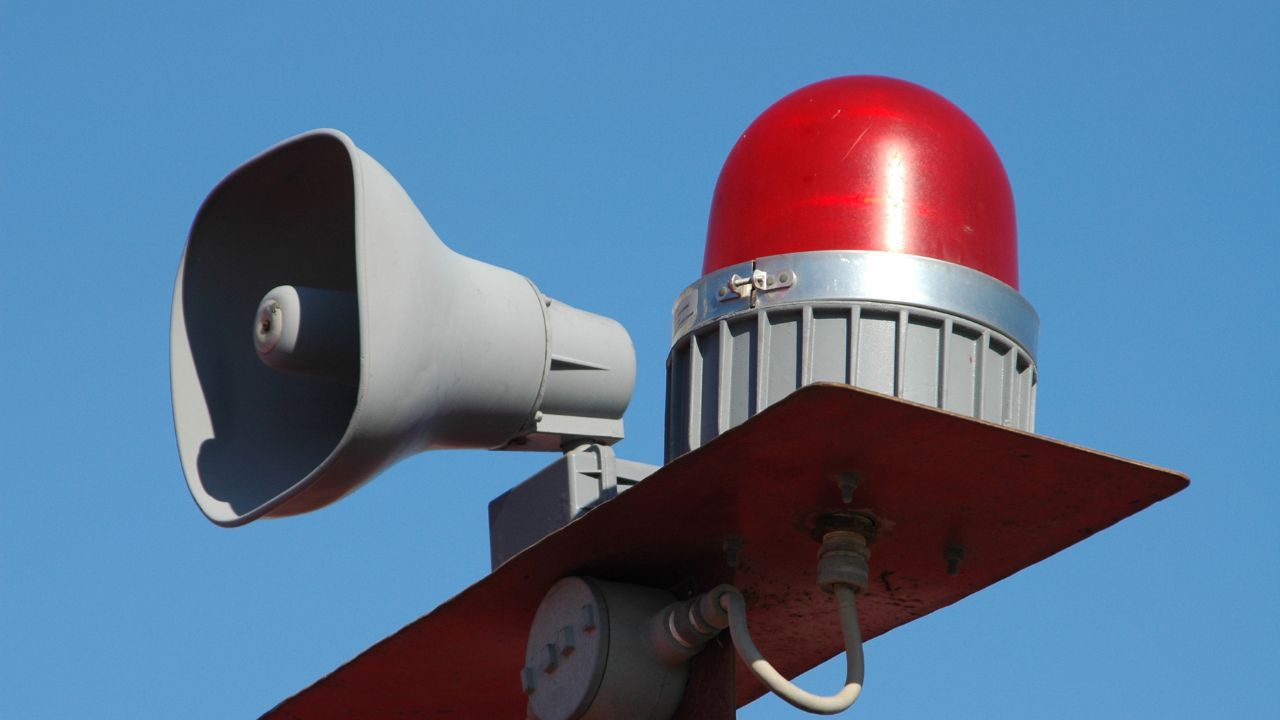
(586, 476)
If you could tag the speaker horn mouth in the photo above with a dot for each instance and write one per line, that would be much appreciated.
(282, 226)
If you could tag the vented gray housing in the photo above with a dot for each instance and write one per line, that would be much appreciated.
(727, 367)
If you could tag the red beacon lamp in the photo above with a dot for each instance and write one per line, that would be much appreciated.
(862, 232)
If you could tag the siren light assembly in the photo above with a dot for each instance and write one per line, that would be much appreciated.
(862, 239)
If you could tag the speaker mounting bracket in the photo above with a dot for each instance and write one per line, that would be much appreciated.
(587, 475)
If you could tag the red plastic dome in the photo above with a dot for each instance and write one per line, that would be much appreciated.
(865, 163)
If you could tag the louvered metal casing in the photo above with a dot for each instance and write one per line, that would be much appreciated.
(727, 368)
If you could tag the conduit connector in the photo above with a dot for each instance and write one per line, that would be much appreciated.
(682, 629)
(842, 559)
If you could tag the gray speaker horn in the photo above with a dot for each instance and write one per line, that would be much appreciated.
(321, 331)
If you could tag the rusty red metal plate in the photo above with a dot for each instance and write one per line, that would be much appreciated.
(1009, 498)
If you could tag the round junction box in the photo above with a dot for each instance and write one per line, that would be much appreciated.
(589, 655)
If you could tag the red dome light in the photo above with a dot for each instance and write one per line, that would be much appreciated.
(865, 163)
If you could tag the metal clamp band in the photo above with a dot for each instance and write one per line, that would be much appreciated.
(863, 275)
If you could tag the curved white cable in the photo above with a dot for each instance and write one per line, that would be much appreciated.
(736, 606)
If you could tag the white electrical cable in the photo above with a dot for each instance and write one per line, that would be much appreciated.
(736, 606)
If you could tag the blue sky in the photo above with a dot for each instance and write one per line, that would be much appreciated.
(579, 144)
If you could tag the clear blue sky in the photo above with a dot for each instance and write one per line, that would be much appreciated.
(579, 145)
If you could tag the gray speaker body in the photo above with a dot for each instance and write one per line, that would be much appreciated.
(451, 352)
(913, 327)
